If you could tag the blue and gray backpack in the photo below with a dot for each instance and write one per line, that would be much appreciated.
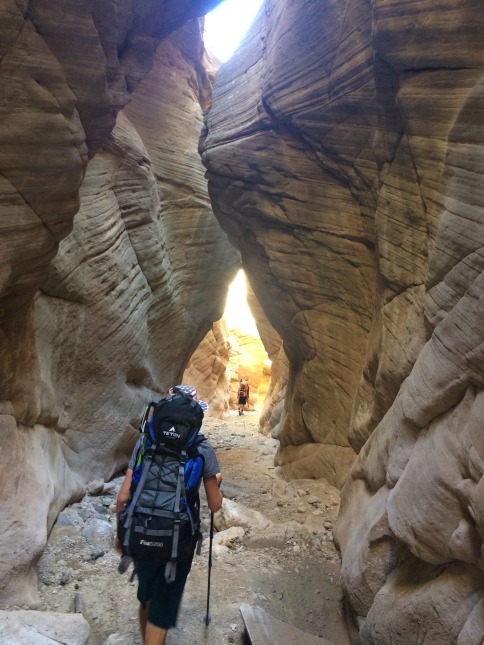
(161, 523)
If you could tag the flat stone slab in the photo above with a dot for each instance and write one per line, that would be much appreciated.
(264, 629)
(25, 627)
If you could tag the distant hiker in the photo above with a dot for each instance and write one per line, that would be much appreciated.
(243, 395)
(158, 505)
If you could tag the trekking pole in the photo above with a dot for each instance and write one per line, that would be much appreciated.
(207, 619)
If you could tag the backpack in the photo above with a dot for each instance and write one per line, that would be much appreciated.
(243, 389)
(161, 523)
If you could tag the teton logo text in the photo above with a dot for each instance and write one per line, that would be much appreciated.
(171, 433)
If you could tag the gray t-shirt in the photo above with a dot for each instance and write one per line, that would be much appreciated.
(210, 466)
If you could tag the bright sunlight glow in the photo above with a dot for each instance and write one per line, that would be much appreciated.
(226, 26)
(237, 312)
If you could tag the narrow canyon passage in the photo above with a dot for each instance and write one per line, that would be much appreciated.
(281, 556)
(337, 158)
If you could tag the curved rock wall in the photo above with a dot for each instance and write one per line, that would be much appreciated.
(344, 155)
(282, 139)
(93, 323)
(207, 370)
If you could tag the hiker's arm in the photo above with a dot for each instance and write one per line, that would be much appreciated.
(121, 501)
(214, 496)
(123, 495)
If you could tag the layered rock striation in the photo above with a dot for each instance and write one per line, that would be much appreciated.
(100, 311)
(207, 370)
(344, 156)
(283, 191)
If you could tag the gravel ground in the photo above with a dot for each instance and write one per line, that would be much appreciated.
(290, 569)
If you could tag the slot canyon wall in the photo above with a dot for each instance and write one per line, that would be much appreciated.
(112, 266)
(344, 150)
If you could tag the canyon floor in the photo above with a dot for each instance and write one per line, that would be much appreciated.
(289, 568)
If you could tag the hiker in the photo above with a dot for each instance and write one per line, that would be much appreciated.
(243, 394)
(160, 598)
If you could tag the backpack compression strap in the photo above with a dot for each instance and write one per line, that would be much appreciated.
(170, 568)
(129, 518)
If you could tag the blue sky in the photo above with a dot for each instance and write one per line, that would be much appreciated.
(226, 25)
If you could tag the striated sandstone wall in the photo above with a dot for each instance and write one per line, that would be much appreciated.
(92, 322)
(207, 370)
(282, 190)
(344, 153)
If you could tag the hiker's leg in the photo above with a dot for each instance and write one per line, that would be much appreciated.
(143, 617)
(161, 607)
(154, 635)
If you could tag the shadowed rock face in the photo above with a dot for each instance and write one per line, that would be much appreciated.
(89, 335)
(344, 154)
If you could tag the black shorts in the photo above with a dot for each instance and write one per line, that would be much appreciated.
(164, 598)
(242, 400)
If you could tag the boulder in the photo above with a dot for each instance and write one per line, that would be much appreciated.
(233, 514)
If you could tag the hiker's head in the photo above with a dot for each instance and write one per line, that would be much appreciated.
(185, 389)
(191, 391)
